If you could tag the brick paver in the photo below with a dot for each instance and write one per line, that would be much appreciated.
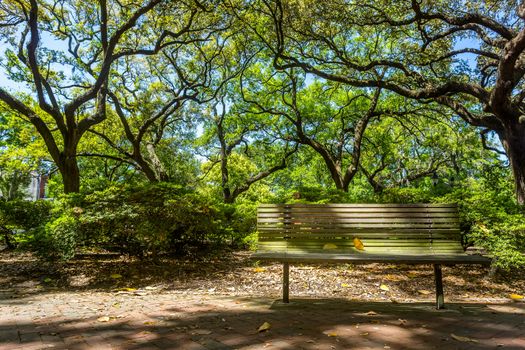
(97, 320)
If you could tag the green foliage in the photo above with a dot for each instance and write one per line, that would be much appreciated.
(490, 218)
(24, 215)
(143, 221)
(59, 238)
(21, 152)
(405, 195)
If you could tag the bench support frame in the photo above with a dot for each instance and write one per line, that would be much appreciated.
(438, 277)
(286, 282)
(440, 296)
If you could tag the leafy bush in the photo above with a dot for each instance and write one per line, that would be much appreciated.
(59, 238)
(404, 195)
(141, 220)
(22, 215)
(490, 218)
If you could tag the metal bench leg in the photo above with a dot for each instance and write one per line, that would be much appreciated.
(440, 297)
(286, 282)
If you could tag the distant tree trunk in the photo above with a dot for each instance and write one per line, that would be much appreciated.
(513, 140)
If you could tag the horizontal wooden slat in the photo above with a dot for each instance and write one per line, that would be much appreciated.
(360, 227)
(336, 216)
(322, 257)
(388, 229)
(360, 205)
(351, 234)
(312, 220)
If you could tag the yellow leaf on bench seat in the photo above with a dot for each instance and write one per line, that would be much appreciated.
(329, 246)
(358, 244)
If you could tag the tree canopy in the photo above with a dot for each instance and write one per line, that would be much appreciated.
(155, 88)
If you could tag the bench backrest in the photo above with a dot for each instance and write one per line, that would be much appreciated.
(382, 228)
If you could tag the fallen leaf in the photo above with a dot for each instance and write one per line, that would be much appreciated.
(411, 274)
(149, 323)
(264, 327)
(424, 292)
(47, 280)
(358, 244)
(259, 269)
(392, 278)
(115, 276)
(331, 334)
(512, 296)
(364, 333)
(345, 285)
(384, 287)
(103, 319)
(462, 339)
(329, 246)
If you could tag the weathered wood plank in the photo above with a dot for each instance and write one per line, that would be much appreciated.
(369, 258)
(342, 220)
(337, 216)
(351, 235)
(360, 205)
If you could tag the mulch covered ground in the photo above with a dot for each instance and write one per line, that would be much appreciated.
(235, 274)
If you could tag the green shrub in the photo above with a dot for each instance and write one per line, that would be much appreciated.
(25, 215)
(491, 218)
(59, 238)
(21, 215)
(151, 219)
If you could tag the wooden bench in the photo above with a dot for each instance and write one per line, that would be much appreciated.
(362, 233)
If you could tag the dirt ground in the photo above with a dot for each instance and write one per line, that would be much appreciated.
(235, 274)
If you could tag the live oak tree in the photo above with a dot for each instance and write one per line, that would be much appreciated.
(65, 53)
(244, 146)
(149, 96)
(402, 150)
(426, 60)
(330, 121)
(330, 118)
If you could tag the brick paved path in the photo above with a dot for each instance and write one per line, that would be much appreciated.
(174, 321)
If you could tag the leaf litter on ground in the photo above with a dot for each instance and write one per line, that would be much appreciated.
(232, 273)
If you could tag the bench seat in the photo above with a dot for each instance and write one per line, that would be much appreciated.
(323, 257)
(362, 233)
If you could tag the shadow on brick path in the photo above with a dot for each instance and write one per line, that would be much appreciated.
(174, 321)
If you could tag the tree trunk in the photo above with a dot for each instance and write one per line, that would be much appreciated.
(146, 169)
(513, 139)
(70, 174)
(156, 163)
